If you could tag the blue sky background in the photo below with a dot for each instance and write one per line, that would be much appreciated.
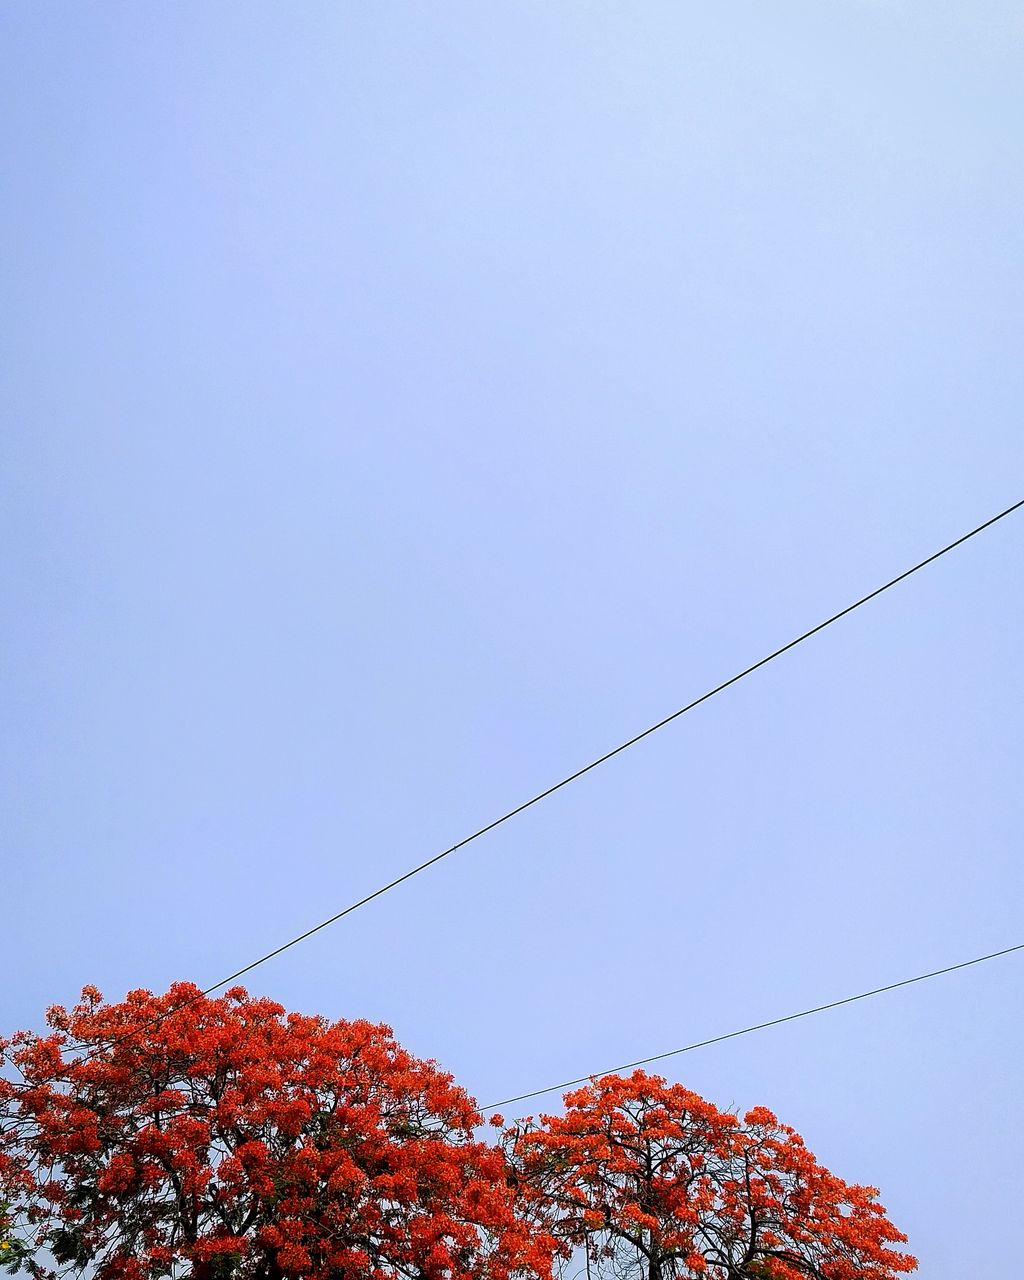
(406, 403)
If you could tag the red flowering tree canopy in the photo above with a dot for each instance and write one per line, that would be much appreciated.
(229, 1139)
(182, 1136)
(653, 1181)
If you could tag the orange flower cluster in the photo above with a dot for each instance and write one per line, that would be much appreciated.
(233, 1140)
(652, 1179)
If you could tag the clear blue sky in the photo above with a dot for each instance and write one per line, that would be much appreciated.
(404, 403)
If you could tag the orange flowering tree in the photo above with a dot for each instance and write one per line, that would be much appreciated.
(229, 1139)
(650, 1180)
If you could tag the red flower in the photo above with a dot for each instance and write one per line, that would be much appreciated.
(642, 1173)
(231, 1130)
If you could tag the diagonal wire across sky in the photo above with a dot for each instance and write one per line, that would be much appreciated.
(615, 751)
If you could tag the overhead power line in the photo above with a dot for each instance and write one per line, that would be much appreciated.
(608, 755)
(579, 773)
(746, 1031)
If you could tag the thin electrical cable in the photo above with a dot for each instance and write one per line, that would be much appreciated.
(746, 1031)
(579, 773)
(623, 746)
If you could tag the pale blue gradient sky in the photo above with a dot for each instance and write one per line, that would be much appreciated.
(404, 403)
